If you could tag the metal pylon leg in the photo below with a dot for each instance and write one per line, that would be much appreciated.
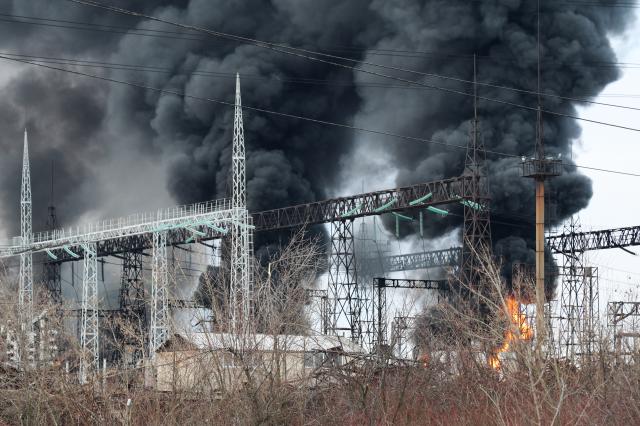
(159, 327)
(343, 287)
(89, 359)
(132, 301)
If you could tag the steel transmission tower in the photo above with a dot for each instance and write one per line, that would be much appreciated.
(343, 284)
(25, 290)
(241, 234)
(132, 299)
(477, 228)
(90, 353)
(52, 273)
(159, 327)
(579, 299)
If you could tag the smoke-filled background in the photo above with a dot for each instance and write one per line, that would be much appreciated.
(117, 149)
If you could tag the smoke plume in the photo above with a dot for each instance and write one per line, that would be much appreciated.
(146, 149)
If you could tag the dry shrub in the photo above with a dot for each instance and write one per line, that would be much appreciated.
(452, 385)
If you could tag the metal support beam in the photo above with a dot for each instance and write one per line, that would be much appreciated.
(476, 235)
(380, 300)
(159, 327)
(133, 302)
(343, 286)
(89, 357)
(241, 230)
(25, 290)
(594, 240)
(448, 258)
(368, 204)
(322, 305)
(623, 318)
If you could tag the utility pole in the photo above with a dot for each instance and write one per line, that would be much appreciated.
(540, 168)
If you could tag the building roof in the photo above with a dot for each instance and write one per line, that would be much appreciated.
(262, 342)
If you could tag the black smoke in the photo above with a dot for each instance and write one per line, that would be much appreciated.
(86, 125)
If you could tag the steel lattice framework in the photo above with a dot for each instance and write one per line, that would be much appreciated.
(89, 334)
(604, 239)
(380, 286)
(25, 292)
(476, 235)
(624, 320)
(241, 234)
(132, 299)
(52, 268)
(571, 300)
(367, 204)
(343, 284)
(447, 258)
(159, 327)
(178, 225)
(579, 298)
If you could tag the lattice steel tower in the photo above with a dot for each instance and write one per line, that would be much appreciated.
(132, 300)
(579, 297)
(52, 273)
(25, 289)
(477, 227)
(241, 235)
(344, 293)
(159, 317)
(89, 337)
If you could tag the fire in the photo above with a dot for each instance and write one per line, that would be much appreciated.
(519, 330)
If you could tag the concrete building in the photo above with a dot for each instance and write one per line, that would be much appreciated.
(220, 362)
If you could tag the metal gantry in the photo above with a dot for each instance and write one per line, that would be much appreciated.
(375, 203)
(25, 292)
(579, 298)
(623, 318)
(380, 286)
(89, 333)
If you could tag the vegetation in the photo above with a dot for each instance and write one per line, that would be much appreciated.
(453, 382)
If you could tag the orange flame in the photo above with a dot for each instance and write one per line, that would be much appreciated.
(518, 330)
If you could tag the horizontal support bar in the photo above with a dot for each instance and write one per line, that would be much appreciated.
(437, 211)
(402, 217)
(69, 252)
(421, 199)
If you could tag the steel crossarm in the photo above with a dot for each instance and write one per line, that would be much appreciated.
(407, 283)
(368, 204)
(210, 223)
(595, 240)
(409, 262)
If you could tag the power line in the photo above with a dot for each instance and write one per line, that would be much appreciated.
(285, 115)
(292, 51)
(214, 74)
(151, 32)
(627, 5)
(134, 31)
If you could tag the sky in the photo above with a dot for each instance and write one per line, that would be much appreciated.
(615, 200)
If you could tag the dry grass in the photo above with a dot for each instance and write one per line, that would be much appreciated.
(457, 389)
